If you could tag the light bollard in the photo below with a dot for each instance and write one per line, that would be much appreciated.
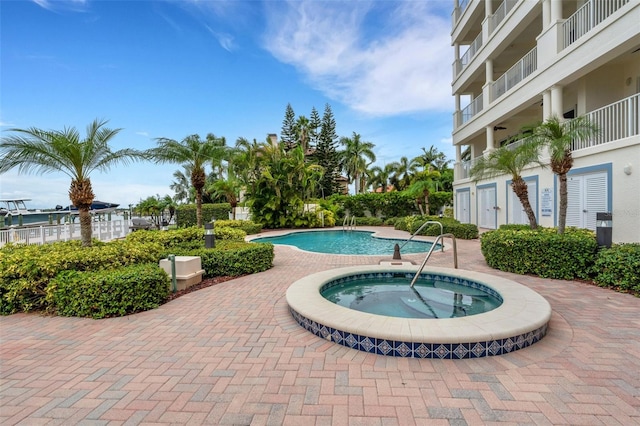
(209, 236)
(174, 280)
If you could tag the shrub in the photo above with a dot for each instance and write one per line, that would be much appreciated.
(117, 292)
(515, 227)
(234, 258)
(25, 270)
(619, 267)
(465, 231)
(542, 252)
(368, 221)
(186, 214)
(231, 234)
(246, 225)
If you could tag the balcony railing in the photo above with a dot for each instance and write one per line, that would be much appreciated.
(458, 11)
(616, 121)
(472, 109)
(588, 16)
(501, 12)
(521, 70)
(460, 64)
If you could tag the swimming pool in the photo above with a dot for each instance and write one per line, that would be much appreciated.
(345, 242)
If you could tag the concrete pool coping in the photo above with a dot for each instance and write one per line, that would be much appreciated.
(522, 312)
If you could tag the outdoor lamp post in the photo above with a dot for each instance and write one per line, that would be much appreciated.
(209, 236)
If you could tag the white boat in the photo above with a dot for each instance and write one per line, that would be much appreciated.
(15, 212)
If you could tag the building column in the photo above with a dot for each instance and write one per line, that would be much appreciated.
(546, 14)
(488, 8)
(486, 88)
(556, 11)
(546, 105)
(490, 144)
(458, 154)
(556, 102)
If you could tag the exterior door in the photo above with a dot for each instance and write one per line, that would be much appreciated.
(486, 207)
(463, 201)
(587, 195)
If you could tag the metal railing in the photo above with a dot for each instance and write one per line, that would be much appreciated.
(103, 231)
(615, 121)
(518, 72)
(460, 64)
(349, 225)
(429, 222)
(472, 109)
(587, 17)
(457, 11)
(424, 262)
(501, 12)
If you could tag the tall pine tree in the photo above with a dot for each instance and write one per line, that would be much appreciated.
(314, 128)
(326, 154)
(288, 133)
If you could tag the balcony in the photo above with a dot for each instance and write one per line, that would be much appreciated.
(587, 17)
(616, 121)
(459, 10)
(521, 70)
(460, 64)
(501, 12)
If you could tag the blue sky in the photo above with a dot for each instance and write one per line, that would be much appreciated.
(175, 68)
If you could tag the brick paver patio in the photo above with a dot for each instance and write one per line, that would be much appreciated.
(232, 355)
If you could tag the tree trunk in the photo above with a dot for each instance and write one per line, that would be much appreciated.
(562, 210)
(520, 188)
(85, 226)
(199, 207)
(426, 203)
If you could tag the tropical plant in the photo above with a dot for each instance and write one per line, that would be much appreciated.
(511, 161)
(194, 153)
(181, 186)
(288, 133)
(402, 173)
(46, 151)
(354, 159)
(432, 158)
(228, 188)
(558, 136)
(157, 209)
(380, 176)
(423, 184)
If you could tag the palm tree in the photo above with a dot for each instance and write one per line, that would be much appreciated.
(403, 172)
(380, 176)
(47, 151)
(354, 158)
(182, 185)
(423, 184)
(511, 161)
(302, 131)
(558, 136)
(228, 188)
(431, 158)
(190, 152)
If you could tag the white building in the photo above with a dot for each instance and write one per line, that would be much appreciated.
(518, 62)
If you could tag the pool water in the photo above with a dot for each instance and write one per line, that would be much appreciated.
(393, 296)
(345, 242)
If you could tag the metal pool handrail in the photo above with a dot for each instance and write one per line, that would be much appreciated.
(424, 262)
(349, 225)
(420, 229)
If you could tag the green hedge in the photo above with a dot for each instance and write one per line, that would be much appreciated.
(465, 231)
(101, 294)
(619, 267)
(542, 252)
(231, 258)
(25, 270)
(246, 225)
(186, 214)
(367, 221)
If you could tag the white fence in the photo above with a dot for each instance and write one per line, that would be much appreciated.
(104, 231)
(615, 121)
(501, 12)
(521, 70)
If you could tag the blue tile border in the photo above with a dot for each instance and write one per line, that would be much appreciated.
(433, 350)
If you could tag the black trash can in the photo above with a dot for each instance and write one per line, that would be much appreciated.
(603, 229)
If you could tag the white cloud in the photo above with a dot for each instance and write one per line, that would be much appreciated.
(145, 134)
(398, 64)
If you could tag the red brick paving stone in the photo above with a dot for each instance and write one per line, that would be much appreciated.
(212, 358)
